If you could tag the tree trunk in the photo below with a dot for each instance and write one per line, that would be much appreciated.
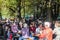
(24, 8)
(58, 7)
(19, 9)
(0, 14)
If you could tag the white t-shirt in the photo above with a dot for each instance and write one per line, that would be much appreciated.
(38, 31)
(57, 31)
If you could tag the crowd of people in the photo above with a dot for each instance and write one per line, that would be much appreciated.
(31, 29)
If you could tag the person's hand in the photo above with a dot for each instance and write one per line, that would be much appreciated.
(19, 32)
(37, 34)
(41, 32)
(33, 34)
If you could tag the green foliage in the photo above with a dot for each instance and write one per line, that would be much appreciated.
(9, 8)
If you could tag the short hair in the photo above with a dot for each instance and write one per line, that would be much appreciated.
(40, 24)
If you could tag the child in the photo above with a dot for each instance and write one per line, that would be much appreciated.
(39, 32)
(14, 29)
(25, 32)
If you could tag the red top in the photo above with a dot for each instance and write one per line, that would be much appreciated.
(32, 29)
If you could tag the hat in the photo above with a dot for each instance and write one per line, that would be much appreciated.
(47, 23)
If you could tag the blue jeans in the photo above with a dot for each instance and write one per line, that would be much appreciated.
(34, 37)
(22, 38)
(8, 34)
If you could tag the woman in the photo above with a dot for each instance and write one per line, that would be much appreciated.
(14, 28)
(25, 32)
(57, 31)
(48, 31)
(32, 27)
(32, 30)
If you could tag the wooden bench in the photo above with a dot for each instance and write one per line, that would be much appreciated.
(2, 38)
(16, 37)
(29, 39)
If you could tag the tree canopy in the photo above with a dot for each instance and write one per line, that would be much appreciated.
(9, 8)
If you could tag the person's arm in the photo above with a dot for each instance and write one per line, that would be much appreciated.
(54, 31)
(19, 32)
(12, 29)
(23, 31)
(37, 32)
(37, 35)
